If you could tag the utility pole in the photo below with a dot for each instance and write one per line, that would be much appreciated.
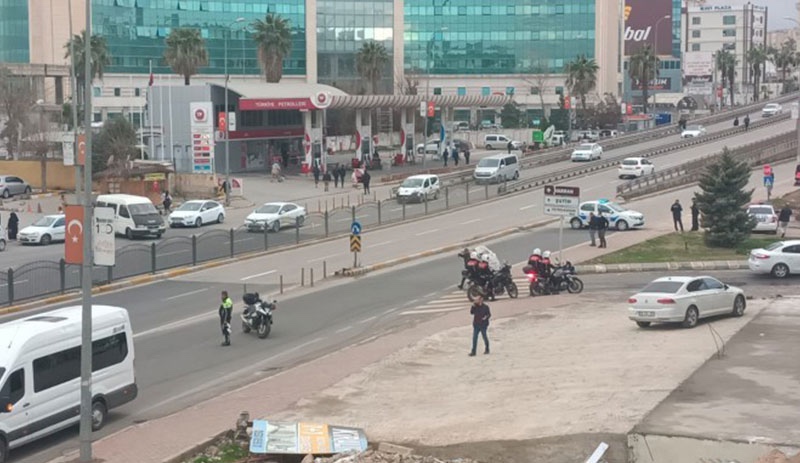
(226, 132)
(86, 266)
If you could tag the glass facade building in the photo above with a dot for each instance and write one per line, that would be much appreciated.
(136, 30)
(479, 37)
(342, 28)
(14, 45)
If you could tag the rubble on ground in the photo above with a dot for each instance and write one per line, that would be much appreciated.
(376, 456)
(776, 456)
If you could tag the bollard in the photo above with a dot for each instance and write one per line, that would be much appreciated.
(281, 284)
(109, 276)
(379, 212)
(10, 283)
(447, 197)
(233, 253)
(353, 212)
(324, 269)
(426, 203)
(62, 270)
(467, 185)
(194, 250)
(303, 276)
(404, 211)
(266, 238)
(297, 230)
(152, 257)
(326, 224)
(311, 276)
(486, 191)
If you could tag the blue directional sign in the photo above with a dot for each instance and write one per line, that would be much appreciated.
(767, 180)
(355, 228)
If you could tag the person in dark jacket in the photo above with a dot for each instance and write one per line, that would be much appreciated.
(783, 220)
(342, 174)
(480, 323)
(593, 223)
(510, 146)
(13, 226)
(326, 179)
(466, 155)
(335, 172)
(365, 181)
(677, 211)
(695, 215)
(747, 122)
(602, 226)
(316, 172)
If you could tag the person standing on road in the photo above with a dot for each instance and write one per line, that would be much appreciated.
(167, 202)
(336, 176)
(445, 153)
(747, 122)
(510, 146)
(454, 153)
(342, 174)
(480, 323)
(13, 226)
(602, 226)
(316, 173)
(365, 177)
(466, 155)
(326, 179)
(225, 312)
(695, 215)
(783, 220)
(677, 211)
(593, 224)
(736, 121)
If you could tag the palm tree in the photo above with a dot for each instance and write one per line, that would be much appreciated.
(756, 58)
(581, 77)
(100, 58)
(643, 68)
(726, 64)
(274, 39)
(186, 52)
(784, 58)
(371, 61)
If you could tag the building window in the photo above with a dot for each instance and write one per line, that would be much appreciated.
(510, 91)
(728, 20)
(137, 92)
(462, 91)
(486, 91)
(696, 20)
(462, 11)
(534, 90)
(729, 46)
(729, 32)
(437, 90)
(117, 91)
(97, 91)
(695, 47)
(695, 34)
(97, 117)
(560, 91)
(510, 10)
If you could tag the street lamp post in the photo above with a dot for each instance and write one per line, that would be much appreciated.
(227, 184)
(655, 51)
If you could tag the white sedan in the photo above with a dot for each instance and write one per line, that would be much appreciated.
(779, 259)
(273, 216)
(635, 167)
(684, 300)
(587, 152)
(44, 231)
(771, 109)
(197, 213)
(693, 131)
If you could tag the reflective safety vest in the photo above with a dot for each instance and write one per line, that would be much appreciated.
(227, 303)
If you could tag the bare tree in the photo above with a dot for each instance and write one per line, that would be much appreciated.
(36, 143)
(407, 84)
(539, 80)
(16, 100)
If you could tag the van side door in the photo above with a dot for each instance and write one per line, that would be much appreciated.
(13, 392)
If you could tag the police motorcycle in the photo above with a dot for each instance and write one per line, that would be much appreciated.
(562, 279)
(493, 279)
(257, 315)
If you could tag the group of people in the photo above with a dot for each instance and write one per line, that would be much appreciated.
(451, 152)
(746, 122)
(539, 263)
(598, 225)
(480, 264)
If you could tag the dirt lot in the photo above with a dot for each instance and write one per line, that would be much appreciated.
(561, 378)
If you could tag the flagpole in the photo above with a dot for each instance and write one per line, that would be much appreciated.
(171, 146)
(161, 113)
(150, 102)
(141, 131)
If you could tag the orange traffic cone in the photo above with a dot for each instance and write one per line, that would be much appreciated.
(39, 208)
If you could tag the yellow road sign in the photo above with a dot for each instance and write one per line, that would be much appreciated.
(355, 243)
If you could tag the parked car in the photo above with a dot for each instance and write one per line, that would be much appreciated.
(273, 216)
(779, 259)
(418, 188)
(587, 152)
(197, 213)
(771, 109)
(765, 217)
(493, 141)
(461, 125)
(693, 131)
(44, 231)
(589, 135)
(486, 125)
(684, 300)
(11, 185)
(635, 167)
(608, 133)
(432, 146)
(618, 217)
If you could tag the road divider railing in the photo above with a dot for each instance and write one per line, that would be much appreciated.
(779, 148)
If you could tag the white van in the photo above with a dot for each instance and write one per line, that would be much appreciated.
(40, 365)
(495, 141)
(134, 215)
(497, 168)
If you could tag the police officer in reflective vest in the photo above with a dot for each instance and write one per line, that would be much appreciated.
(225, 312)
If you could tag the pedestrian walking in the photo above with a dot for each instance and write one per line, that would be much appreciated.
(335, 176)
(480, 323)
(509, 147)
(342, 174)
(736, 121)
(365, 177)
(677, 211)
(167, 202)
(445, 152)
(747, 122)
(769, 182)
(783, 219)
(695, 215)
(466, 155)
(593, 224)
(13, 226)
(225, 312)
(602, 227)
(326, 179)
(316, 173)
(454, 153)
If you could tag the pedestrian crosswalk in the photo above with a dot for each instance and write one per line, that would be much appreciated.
(457, 300)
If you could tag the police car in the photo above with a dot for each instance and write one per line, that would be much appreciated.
(618, 217)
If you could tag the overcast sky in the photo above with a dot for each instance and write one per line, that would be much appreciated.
(777, 10)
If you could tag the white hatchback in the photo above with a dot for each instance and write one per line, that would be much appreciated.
(44, 231)
(779, 259)
(765, 217)
(587, 152)
(684, 300)
(635, 167)
(197, 213)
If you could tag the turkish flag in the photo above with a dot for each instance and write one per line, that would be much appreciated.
(73, 242)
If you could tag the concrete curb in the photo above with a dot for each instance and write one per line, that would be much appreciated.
(658, 266)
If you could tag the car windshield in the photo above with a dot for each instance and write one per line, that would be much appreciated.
(630, 162)
(412, 183)
(693, 127)
(615, 207)
(488, 162)
(771, 106)
(44, 222)
(670, 287)
(774, 246)
(760, 210)
(190, 206)
(585, 146)
(268, 209)
(144, 208)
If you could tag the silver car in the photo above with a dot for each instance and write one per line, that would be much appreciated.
(11, 186)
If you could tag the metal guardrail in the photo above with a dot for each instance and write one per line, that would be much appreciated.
(570, 172)
(774, 149)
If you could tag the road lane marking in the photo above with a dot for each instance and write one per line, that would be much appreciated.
(342, 330)
(323, 258)
(298, 347)
(185, 294)
(428, 232)
(382, 243)
(527, 207)
(387, 312)
(367, 320)
(176, 324)
(258, 275)
(470, 221)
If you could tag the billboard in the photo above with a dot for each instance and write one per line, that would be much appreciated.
(645, 24)
(698, 63)
(659, 83)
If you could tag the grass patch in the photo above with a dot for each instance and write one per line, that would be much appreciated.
(682, 247)
(228, 453)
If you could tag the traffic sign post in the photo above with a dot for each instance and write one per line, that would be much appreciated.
(561, 201)
(355, 241)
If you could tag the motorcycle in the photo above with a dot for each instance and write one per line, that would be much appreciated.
(257, 315)
(498, 284)
(562, 279)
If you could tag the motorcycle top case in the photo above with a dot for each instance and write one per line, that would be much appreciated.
(250, 298)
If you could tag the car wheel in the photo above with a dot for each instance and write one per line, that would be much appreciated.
(45, 240)
(780, 271)
(575, 224)
(2, 248)
(198, 222)
(3, 450)
(488, 147)
(516, 175)
(171, 225)
(99, 412)
(6, 194)
(691, 317)
(28, 190)
(129, 233)
(643, 324)
(220, 218)
(739, 305)
(622, 225)
(276, 226)
(436, 195)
